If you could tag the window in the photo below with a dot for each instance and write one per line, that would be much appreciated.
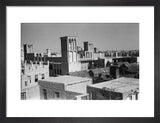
(29, 78)
(25, 83)
(43, 76)
(57, 95)
(45, 93)
(23, 72)
(36, 78)
(23, 96)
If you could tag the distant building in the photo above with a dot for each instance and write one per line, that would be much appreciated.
(89, 50)
(116, 89)
(28, 48)
(87, 63)
(28, 52)
(60, 88)
(108, 59)
(73, 58)
(96, 50)
(128, 59)
(47, 53)
(99, 55)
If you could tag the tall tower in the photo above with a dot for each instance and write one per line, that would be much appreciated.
(69, 49)
(28, 48)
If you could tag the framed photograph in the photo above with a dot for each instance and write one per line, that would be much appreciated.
(76, 61)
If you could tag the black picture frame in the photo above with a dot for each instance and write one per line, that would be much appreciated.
(3, 60)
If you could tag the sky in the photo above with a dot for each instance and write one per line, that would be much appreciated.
(104, 36)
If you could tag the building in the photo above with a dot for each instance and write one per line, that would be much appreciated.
(61, 64)
(116, 89)
(73, 58)
(30, 75)
(99, 55)
(60, 88)
(87, 63)
(69, 54)
(47, 53)
(38, 69)
(88, 49)
(96, 50)
(28, 53)
(68, 61)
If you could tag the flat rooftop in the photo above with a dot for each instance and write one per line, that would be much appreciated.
(67, 80)
(121, 85)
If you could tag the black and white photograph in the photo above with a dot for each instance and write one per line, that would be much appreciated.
(75, 61)
(80, 61)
